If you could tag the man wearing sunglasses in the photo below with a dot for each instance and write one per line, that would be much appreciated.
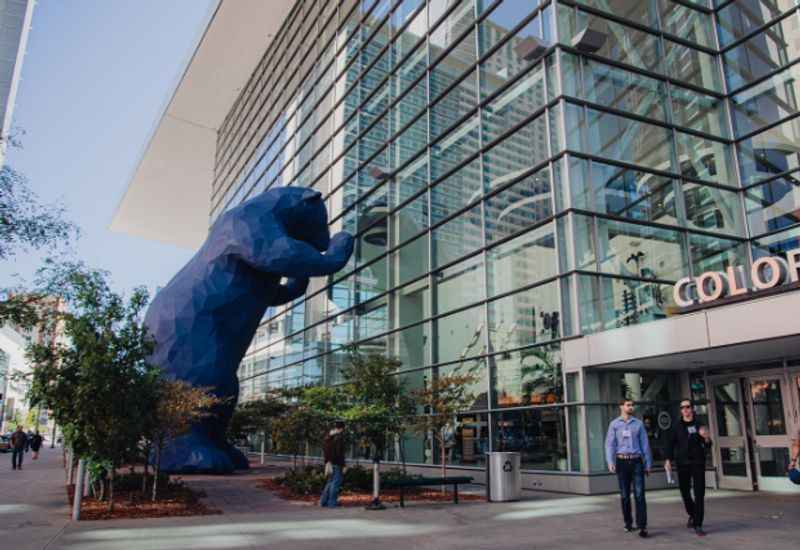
(687, 445)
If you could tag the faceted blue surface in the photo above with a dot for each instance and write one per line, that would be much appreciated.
(204, 319)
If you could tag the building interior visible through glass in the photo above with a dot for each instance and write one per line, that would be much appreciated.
(513, 184)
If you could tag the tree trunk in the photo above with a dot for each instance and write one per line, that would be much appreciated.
(156, 472)
(111, 488)
(146, 468)
(403, 456)
(444, 465)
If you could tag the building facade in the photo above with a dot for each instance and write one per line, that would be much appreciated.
(15, 23)
(574, 201)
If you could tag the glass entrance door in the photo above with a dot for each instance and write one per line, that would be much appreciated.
(771, 409)
(731, 448)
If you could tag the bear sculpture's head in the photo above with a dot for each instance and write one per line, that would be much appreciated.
(300, 210)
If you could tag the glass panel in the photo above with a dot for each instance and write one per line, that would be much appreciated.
(767, 102)
(524, 318)
(768, 50)
(623, 192)
(522, 261)
(713, 209)
(518, 153)
(459, 285)
(692, 66)
(729, 416)
(734, 461)
(457, 237)
(510, 59)
(773, 461)
(773, 205)
(705, 159)
(771, 152)
(527, 377)
(714, 253)
(471, 439)
(777, 244)
(640, 251)
(514, 105)
(606, 303)
(526, 203)
(738, 19)
(700, 112)
(538, 434)
(624, 90)
(614, 137)
(460, 335)
(684, 22)
(767, 407)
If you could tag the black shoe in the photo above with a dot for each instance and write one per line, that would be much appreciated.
(699, 532)
(643, 533)
(690, 523)
(628, 529)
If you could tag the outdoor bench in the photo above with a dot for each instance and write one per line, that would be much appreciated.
(402, 484)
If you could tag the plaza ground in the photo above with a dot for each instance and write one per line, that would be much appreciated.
(34, 515)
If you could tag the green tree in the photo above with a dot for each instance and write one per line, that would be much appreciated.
(443, 398)
(96, 380)
(178, 405)
(256, 417)
(27, 224)
(378, 407)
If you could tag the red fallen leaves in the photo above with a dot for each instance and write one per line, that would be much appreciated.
(179, 501)
(349, 498)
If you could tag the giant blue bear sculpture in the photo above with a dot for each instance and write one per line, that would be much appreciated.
(206, 316)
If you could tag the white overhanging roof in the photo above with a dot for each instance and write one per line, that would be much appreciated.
(168, 197)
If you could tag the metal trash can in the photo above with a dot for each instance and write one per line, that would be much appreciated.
(503, 477)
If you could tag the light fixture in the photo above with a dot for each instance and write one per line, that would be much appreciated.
(530, 48)
(379, 174)
(589, 41)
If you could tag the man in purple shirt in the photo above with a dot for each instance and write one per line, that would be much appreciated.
(628, 455)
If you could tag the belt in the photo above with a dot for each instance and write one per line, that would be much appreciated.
(628, 457)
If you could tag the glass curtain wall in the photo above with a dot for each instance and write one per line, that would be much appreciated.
(510, 187)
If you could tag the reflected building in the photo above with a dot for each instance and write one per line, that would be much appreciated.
(535, 208)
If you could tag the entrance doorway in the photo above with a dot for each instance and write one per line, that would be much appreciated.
(753, 417)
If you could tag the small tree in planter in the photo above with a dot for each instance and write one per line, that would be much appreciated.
(96, 381)
(379, 407)
(178, 405)
(441, 401)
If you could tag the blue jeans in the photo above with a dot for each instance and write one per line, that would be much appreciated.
(330, 493)
(631, 472)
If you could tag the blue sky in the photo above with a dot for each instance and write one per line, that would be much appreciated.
(96, 78)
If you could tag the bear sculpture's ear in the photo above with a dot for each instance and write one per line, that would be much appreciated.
(310, 195)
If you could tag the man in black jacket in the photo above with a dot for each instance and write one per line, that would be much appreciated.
(687, 445)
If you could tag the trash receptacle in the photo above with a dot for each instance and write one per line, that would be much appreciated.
(503, 478)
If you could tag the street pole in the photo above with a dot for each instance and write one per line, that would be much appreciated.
(53, 438)
(79, 486)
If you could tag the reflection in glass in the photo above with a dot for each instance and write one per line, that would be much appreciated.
(538, 434)
(528, 377)
(767, 407)
(728, 405)
(525, 318)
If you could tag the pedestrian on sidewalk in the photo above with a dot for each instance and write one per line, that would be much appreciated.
(19, 440)
(628, 455)
(687, 446)
(333, 451)
(36, 444)
(794, 467)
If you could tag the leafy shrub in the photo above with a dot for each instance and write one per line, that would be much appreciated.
(310, 480)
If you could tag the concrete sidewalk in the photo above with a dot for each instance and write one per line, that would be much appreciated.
(253, 518)
(33, 501)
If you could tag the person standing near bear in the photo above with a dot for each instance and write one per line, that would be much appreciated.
(687, 446)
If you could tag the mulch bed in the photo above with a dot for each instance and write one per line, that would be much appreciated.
(350, 498)
(172, 502)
